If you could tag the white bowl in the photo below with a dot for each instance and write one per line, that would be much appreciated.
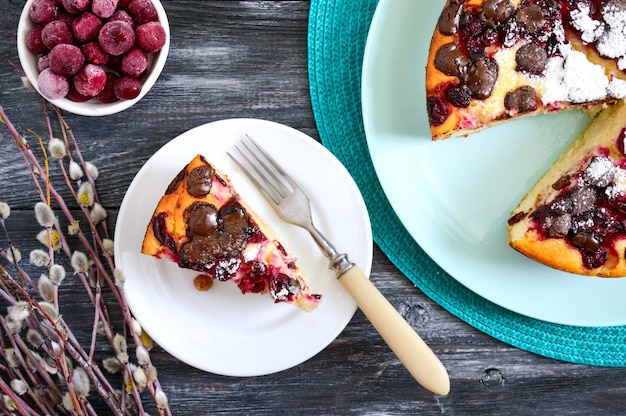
(92, 107)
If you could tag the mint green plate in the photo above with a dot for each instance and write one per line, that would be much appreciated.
(455, 196)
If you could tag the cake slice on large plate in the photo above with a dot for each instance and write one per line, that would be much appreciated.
(203, 224)
(574, 218)
(494, 60)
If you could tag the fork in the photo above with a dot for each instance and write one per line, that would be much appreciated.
(293, 206)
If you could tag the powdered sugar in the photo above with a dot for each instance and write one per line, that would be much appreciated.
(581, 20)
(573, 78)
(600, 171)
(617, 88)
(608, 34)
(603, 173)
(569, 75)
(619, 184)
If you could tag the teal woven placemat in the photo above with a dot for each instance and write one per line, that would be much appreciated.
(336, 41)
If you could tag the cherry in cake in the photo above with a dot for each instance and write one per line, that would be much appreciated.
(574, 218)
(202, 224)
(494, 60)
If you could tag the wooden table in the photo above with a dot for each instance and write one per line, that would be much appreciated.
(249, 59)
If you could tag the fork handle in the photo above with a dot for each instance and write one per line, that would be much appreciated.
(408, 346)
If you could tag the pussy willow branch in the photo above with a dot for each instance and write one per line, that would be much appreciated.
(73, 348)
(85, 360)
(26, 150)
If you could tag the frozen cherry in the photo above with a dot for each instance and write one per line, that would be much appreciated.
(66, 18)
(52, 85)
(54, 33)
(143, 11)
(94, 54)
(76, 6)
(107, 95)
(116, 37)
(66, 59)
(86, 27)
(115, 63)
(43, 12)
(103, 8)
(127, 88)
(43, 62)
(123, 16)
(34, 43)
(75, 95)
(151, 36)
(90, 80)
(134, 62)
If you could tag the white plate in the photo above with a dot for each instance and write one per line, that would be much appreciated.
(454, 197)
(221, 330)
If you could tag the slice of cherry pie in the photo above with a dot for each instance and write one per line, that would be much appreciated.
(574, 218)
(202, 224)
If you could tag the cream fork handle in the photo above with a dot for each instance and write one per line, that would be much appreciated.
(412, 351)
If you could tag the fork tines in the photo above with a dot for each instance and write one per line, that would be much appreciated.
(262, 169)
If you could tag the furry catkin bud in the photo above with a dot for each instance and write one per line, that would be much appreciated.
(81, 382)
(44, 236)
(56, 147)
(5, 210)
(92, 170)
(120, 279)
(137, 327)
(119, 343)
(44, 214)
(13, 255)
(39, 258)
(50, 310)
(143, 357)
(85, 194)
(19, 386)
(160, 399)
(141, 380)
(19, 310)
(73, 228)
(57, 274)
(67, 402)
(11, 357)
(27, 84)
(97, 213)
(76, 172)
(46, 288)
(79, 261)
(108, 245)
(112, 365)
(34, 338)
(14, 327)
